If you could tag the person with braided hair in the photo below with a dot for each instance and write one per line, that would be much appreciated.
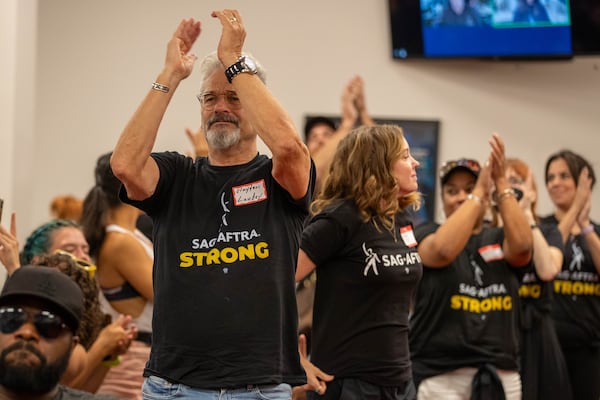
(61, 244)
(57, 234)
(102, 341)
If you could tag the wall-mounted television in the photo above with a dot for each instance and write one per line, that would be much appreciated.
(504, 29)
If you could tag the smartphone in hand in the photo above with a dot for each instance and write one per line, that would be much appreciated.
(1, 207)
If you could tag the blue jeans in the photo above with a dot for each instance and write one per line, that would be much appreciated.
(155, 388)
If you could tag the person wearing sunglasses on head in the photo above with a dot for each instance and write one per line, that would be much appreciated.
(464, 327)
(543, 369)
(103, 342)
(124, 256)
(40, 313)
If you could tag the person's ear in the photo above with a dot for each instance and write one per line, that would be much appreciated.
(74, 341)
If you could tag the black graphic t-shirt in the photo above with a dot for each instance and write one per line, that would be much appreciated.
(226, 242)
(536, 294)
(576, 308)
(466, 314)
(365, 282)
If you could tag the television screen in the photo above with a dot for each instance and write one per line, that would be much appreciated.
(481, 28)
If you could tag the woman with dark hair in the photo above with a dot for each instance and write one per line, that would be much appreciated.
(576, 309)
(360, 240)
(124, 257)
(543, 369)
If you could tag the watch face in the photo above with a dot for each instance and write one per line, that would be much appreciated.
(250, 64)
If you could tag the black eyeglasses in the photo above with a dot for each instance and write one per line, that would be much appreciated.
(471, 164)
(49, 325)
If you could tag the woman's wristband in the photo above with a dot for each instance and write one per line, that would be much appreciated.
(588, 229)
(508, 192)
(111, 362)
(472, 196)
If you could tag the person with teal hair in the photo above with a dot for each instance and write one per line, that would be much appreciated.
(57, 234)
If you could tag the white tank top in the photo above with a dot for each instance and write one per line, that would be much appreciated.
(144, 320)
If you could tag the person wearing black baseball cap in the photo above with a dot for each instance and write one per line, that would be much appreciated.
(464, 326)
(40, 310)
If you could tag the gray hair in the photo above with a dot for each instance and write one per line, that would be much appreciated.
(211, 63)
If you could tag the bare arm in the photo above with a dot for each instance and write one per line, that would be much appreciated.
(316, 379)
(518, 239)
(323, 156)
(112, 341)
(441, 247)
(593, 242)
(131, 161)
(9, 246)
(125, 255)
(569, 221)
(198, 141)
(360, 102)
(583, 220)
(547, 259)
(305, 265)
(291, 161)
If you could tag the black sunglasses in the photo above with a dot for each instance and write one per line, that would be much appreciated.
(47, 324)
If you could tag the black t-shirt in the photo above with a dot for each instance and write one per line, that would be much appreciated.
(466, 314)
(226, 243)
(365, 282)
(576, 307)
(536, 294)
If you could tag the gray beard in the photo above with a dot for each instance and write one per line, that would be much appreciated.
(222, 138)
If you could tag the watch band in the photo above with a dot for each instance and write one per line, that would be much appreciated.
(234, 70)
(243, 64)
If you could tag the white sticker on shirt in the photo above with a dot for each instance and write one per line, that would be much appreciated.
(408, 236)
(491, 252)
(249, 193)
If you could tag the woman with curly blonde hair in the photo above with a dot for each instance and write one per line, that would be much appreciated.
(360, 240)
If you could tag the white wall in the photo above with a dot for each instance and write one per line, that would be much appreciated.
(96, 60)
(8, 39)
(18, 22)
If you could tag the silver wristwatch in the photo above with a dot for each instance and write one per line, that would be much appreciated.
(243, 64)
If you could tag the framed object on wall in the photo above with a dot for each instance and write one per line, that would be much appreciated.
(422, 137)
